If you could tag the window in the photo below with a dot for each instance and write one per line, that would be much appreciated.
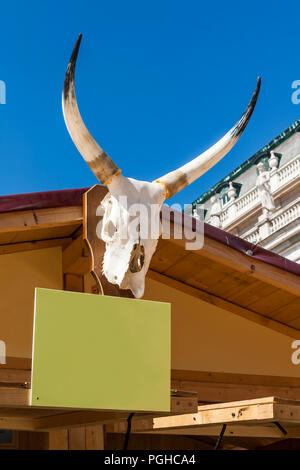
(224, 199)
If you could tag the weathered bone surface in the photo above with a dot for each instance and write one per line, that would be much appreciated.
(100, 163)
(177, 180)
(129, 248)
(130, 225)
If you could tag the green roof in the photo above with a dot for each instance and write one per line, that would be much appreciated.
(295, 127)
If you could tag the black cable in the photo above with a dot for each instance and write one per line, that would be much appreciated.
(220, 437)
(129, 419)
(281, 428)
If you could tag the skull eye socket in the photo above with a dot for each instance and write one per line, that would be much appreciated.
(109, 231)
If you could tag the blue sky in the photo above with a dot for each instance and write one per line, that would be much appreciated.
(157, 83)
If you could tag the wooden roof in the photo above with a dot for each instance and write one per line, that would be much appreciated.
(262, 286)
(231, 280)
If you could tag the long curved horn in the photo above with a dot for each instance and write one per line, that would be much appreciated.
(100, 163)
(177, 180)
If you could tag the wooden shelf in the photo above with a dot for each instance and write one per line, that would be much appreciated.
(265, 417)
(17, 413)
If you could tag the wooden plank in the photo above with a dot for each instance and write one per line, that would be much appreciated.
(17, 424)
(14, 376)
(295, 323)
(74, 282)
(94, 437)
(195, 266)
(288, 314)
(166, 255)
(58, 440)
(29, 412)
(214, 387)
(287, 413)
(34, 245)
(14, 397)
(16, 363)
(266, 304)
(223, 254)
(231, 378)
(77, 439)
(25, 234)
(42, 224)
(234, 414)
(33, 441)
(222, 392)
(250, 412)
(251, 293)
(184, 404)
(84, 418)
(78, 419)
(268, 430)
(156, 442)
(243, 403)
(226, 305)
(32, 219)
(75, 258)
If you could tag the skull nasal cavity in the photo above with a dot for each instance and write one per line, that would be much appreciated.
(137, 258)
(111, 229)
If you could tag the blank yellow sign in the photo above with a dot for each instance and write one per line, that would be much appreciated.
(100, 352)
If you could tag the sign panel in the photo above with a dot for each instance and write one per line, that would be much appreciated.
(100, 352)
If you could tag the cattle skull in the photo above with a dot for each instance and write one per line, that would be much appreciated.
(130, 202)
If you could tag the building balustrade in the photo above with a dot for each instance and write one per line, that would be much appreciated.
(243, 204)
(272, 224)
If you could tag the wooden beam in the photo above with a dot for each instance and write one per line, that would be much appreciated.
(33, 219)
(78, 419)
(16, 412)
(232, 378)
(34, 245)
(250, 412)
(14, 397)
(15, 376)
(287, 413)
(75, 259)
(43, 224)
(215, 387)
(73, 418)
(224, 413)
(269, 431)
(222, 392)
(17, 424)
(225, 304)
(241, 262)
(16, 363)
(73, 282)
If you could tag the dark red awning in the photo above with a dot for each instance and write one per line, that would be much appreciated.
(73, 197)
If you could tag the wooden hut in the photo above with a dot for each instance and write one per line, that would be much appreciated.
(235, 318)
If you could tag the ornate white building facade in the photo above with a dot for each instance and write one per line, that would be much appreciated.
(260, 200)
